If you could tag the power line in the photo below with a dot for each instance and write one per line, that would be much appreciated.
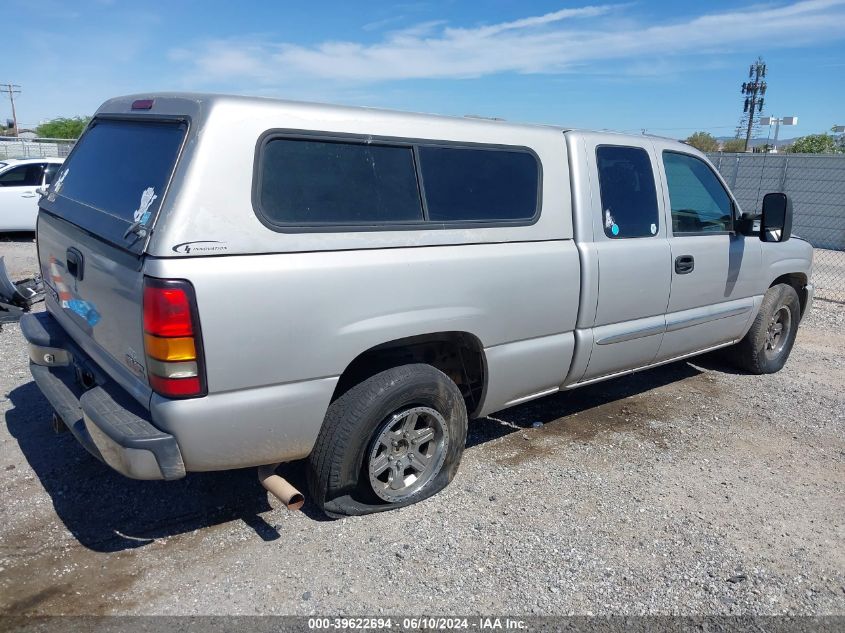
(686, 127)
(13, 89)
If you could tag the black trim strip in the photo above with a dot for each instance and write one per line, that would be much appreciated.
(363, 248)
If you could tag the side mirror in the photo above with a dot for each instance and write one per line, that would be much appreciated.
(776, 219)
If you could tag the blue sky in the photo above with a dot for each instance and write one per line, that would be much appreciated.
(669, 67)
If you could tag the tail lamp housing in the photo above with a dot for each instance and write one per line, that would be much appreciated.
(172, 339)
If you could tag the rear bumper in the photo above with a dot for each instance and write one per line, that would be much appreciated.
(108, 422)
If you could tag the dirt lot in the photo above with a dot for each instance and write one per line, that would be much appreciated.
(688, 489)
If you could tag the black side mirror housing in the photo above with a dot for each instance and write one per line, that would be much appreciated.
(748, 224)
(776, 218)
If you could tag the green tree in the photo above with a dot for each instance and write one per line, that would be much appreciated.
(63, 127)
(703, 141)
(814, 144)
(839, 140)
(734, 145)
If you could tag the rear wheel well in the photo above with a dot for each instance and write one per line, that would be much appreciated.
(459, 355)
(797, 281)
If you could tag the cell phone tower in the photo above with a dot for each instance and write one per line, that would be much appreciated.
(753, 92)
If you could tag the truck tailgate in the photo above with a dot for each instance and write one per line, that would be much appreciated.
(95, 292)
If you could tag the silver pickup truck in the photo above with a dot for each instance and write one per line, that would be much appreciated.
(238, 282)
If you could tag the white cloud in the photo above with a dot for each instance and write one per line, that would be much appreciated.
(556, 42)
(378, 25)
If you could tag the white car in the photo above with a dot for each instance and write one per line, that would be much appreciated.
(19, 180)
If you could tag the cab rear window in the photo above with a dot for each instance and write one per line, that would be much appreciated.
(121, 169)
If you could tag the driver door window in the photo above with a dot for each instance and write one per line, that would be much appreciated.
(50, 171)
(23, 176)
(698, 201)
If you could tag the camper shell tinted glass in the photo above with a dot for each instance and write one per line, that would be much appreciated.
(469, 185)
(328, 182)
(116, 175)
(312, 182)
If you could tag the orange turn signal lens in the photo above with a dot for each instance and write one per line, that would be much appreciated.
(167, 349)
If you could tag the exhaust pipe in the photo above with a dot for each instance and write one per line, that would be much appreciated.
(58, 424)
(279, 487)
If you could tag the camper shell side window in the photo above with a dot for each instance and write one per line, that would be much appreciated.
(311, 182)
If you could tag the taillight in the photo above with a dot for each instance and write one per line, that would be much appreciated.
(172, 341)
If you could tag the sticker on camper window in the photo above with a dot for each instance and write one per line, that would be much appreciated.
(654, 229)
(142, 213)
(60, 181)
(57, 186)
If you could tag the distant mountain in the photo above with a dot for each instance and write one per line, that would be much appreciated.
(782, 142)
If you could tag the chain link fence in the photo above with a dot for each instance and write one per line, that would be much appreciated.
(816, 185)
(35, 147)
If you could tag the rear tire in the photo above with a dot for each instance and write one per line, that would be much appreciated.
(390, 441)
(767, 345)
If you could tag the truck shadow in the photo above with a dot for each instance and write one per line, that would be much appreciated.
(107, 512)
(584, 399)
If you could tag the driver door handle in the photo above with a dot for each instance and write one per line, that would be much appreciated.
(684, 264)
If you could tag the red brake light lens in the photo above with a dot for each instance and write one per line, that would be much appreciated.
(176, 387)
(143, 104)
(167, 311)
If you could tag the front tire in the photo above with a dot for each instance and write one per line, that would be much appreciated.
(390, 441)
(767, 345)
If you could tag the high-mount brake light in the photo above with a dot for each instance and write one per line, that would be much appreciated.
(143, 104)
(172, 342)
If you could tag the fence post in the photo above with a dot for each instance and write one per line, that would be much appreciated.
(736, 171)
(783, 174)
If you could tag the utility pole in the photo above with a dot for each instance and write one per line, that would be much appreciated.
(13, 89)
(753, 90)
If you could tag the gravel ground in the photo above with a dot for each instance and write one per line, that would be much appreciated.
(18, 253)
(688, 489)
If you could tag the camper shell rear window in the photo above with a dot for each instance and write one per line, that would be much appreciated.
(307, 181)
(116, 176)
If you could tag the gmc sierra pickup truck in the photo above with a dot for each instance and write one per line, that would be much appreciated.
(239, 282)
